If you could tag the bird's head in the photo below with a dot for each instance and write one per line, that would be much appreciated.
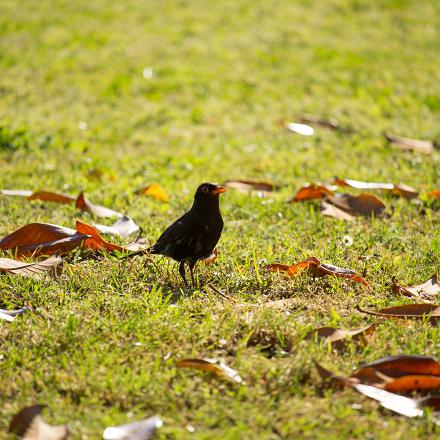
(209, 191)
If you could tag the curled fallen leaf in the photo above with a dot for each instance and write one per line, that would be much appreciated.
(337, 337)
(46, 196)
(311, 191)
(213, 366)
(401, 190)
(210, 260)
(94, 240)
(155, 191)
(330, 210)
(428, 288)
(141, 430)
(316, 269)
(402, 405)
(123, 227)
(30, 425)
(363, 204)
(84, 204)
(37, 239)
(35, 270)
(419, 146)
(402, 365)
(302, 129)
(251, 186)
(331, 124)
(408, 311)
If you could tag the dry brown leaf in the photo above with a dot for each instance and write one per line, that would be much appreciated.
(316, 269)
(420, 146)
(434, 194)
(37, 239)
(331, 124)
(337, 337)
(399, 404)
(46, 196)
(30, 425)
(408, 311)
(141, 430)
(364, 204)
(311, 191)
(35, 270)
(99, 211)
(250, 186)
(401, 190)
(330, 210)
(428, 288)
(155, 191)
(211, 366)
(210, 260)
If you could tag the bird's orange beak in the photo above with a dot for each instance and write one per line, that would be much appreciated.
(220, 189)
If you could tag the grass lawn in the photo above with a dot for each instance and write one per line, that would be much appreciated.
(77, 95)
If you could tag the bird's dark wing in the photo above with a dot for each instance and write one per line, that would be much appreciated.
(172, 238)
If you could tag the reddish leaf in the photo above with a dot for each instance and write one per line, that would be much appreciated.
(401, 190)
(428, 288)
(211, 366)
(434, 194)
(316, 269)
(48, 196)
(397, 366)
(420, 146)
(408, 311)
(94, 240)
(337, 337)
(312, 191)
(35, 270)
(99, 211)
(37, 239)
(364, 204)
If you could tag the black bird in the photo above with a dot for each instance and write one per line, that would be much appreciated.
(193, 236)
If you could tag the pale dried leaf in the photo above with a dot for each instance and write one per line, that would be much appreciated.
(214, 366)
(97, 210)
(35, 270)
(428, 288)
(141, 430)
(123, 227)
(419, 146)
(330, 210)
(29, 425)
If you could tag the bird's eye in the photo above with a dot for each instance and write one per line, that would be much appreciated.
(205, 189)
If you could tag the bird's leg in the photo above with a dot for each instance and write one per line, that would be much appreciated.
(182, 272)
(191, 264)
